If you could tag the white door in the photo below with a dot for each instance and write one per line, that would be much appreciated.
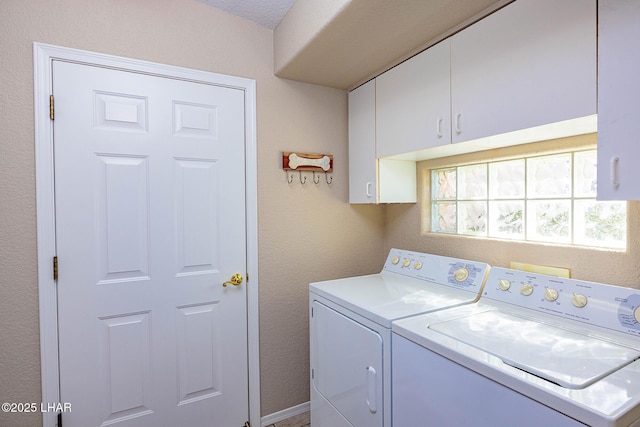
(150, 222)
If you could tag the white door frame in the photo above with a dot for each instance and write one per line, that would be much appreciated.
(43, 54)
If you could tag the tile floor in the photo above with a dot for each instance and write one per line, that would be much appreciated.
(302, 420)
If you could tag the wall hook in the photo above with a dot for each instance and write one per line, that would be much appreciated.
(307, 162)
(326, 178)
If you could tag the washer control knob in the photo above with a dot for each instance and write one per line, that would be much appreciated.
(461, 274)
(395, 260)
(406, 263)
(579, 300)
(550, 294)
(417, 265)
(526, 289)
(504, 284)
(636, 314)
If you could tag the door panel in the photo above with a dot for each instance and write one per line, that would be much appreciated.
(150, 221)
(197, 219)
(122, 218)
(199, 344)
(125, 347)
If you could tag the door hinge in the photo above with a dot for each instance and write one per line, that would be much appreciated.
(55, 268)
(51, 109)
(59, 419)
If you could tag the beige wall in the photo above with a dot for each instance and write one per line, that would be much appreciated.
(404, 229)
(306, 233)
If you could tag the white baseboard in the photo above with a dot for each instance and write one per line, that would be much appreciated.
(284, 414)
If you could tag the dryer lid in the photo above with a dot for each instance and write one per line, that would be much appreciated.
(567, 358)
(385, 297)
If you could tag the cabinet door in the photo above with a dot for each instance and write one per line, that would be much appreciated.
(529, 64)
(413, 103)
(618, 95)
(362, 144)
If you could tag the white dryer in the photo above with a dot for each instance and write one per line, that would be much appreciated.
(350, 331)
(535, 351)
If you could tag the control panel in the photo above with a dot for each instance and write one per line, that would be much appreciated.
(442, 270)
(608, 306)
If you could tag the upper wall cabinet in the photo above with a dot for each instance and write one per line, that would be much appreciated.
(529, 64)
(532, 63)
(413, 103)
(363, 185)
(373, 180)
(618, 100)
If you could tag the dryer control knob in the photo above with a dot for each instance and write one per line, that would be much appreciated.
(550, 294)
(461, 274)
(526, 289)
(504, 284)
(406, 263)
(417, 265)
(395, 260)
(579, 300)
(636, 314)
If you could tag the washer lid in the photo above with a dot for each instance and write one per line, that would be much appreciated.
(566, 358)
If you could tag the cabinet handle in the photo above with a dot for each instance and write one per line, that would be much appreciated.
(368, 189)
(459, 123)
(614, 172)
(439, 127)
(371, 383)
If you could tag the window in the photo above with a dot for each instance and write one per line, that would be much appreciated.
(548, 198)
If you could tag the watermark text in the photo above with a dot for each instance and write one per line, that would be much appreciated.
(20, 407)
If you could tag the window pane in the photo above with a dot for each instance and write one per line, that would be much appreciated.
(472, 182)
(600, 223)
(547, 198)
(585, 164)
(472, 218)
(506, 219)
(549, 176)
(443, 184)
(549, 220)
(506, 180)
(443, 217)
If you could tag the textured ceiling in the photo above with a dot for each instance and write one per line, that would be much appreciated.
(267, 13)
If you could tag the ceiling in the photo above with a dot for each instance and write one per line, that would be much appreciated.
(267, 13)
(344, 43)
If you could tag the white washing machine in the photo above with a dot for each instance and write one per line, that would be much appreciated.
(350, 331)
(534, 351)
